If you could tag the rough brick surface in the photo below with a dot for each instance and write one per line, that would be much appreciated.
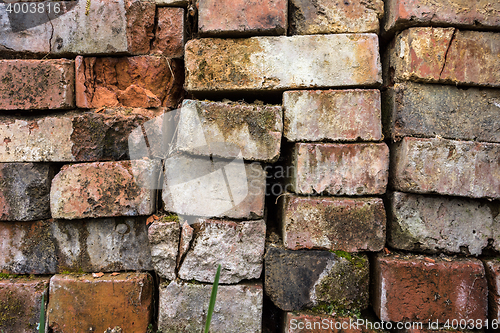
(439, 224)
(37, 84)
(237, 246)
(326, 16)
(264, 63)
(445, 55)
(238, 308)
(303, 279)
(104, 189)
(24, 191)
(492, 267)
(449, 167)
(20, 301)
(412, 288)
(83, 303)
(141, 81)
(254, 130)
(169, 33)
(314, 323)
(179, 3)
(337, 115)
(427, 110)
(111, 27)
(164, 242)
(343, 224)
(242, 17)
(340, 169)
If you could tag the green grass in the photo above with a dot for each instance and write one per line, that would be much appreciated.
(213, 296)
(41, 325)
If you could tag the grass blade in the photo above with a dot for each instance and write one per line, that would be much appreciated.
(41, 325)
(213, 296)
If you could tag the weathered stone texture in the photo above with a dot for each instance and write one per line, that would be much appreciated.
(183, 307)
(340, 169)
(448, 167)
(104, 189)
(345, 224)
(37, 84)
(264, 63)
(164, 242)
(412, 288)
(296, 280)
(169, 33)
(427, 110)
(492, 267)
(83, 303)
(335, 16)
(337, 115)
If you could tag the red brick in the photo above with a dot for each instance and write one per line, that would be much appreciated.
(20, 303)
(417, 288)
(462, 168)
(492, 267)
(345, 224)
(83, 303)
(141, 81)
(313, 323)
(340, 169)
(445, 55)
(37, 84)
(169, 34)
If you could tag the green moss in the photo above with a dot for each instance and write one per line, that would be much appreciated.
(9, 276)
(11, 308)
(358, 261)
(170, 218)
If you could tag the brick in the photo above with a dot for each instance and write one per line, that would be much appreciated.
(20, 303)
(254, 130)
(337, 115)
(345, 224)
(164, 242)
(93, 245)
(314, 323)
(439, 224)
(71, 136)
(237, 246)
(461, 168)
(115, 27)
(401, 14)
(427, 110)
(104, 189)
(180, 3)
(242, 17)
(492, 267)
(295, 280)
(445, 55)
(141, 81)
(412, 288)
(24, 191)
(37, 84)
(309, 17)
(432, 327)
(240, 194)
(169, 33)
(183, 307)
(82, 302)
(340, 169)
(264, 63)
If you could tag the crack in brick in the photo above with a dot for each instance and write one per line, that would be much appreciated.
(447, 50)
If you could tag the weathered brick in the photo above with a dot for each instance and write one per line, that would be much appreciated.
(117, 27)
(437, 327)
(445, 55)
(340, 169)
(242, 17)
(439, 224)
(197, 186)
(71, 136)
(183, 307)
(338, 115)
(93, 245)
(180, 3)
(83, 303)
(427, 110)
(164, 242)
(169, 33)
(264, 63)
(401, 14)
(414, 288)
(449, 167)
(254, 130)
(314, 323)
(295, 280)
(104, 189)
(24, 191)
(20, 303)
(492, 267)
(237, 246)
(141, 81)
(326, 16)
(37, 84)
(345, 224)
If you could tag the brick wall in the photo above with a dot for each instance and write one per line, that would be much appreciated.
(340, 159)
